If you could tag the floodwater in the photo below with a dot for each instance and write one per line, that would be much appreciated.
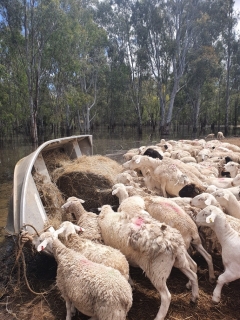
(104, 142)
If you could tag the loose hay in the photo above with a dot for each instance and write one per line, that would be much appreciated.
(89, 178)
(55, 159)
(52, 199)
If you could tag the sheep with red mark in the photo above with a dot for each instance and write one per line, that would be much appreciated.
(167, 211)
(93, 251)
(150, 245)
(96, 290)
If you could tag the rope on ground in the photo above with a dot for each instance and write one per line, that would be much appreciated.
(23, 238)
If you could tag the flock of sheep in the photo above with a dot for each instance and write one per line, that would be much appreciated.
(154, 228)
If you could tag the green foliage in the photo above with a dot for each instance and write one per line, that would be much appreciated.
(67, 62)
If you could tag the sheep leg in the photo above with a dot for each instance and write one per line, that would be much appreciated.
(69, 309)
(193, 267)
(184, 263)
(208, 259)
(165, 301)
(130, 281)
(163, 187)
(224, 278)
(73, 310)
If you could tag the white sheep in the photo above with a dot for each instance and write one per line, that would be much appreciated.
(95, 252)
(204, 199)
(229, 239)
(152, 246)
(127, 179)
(232, 167)
(164, 174)
(227, 200)
(133, 205)
(211, 188)
(188, 160)
(94, 289)
(87, 220)
(231, 146)
(235, 191)
(224, 183)
(220, 135)
(167, 211)
(130, 153)
(206, 169)
(203, 155)
(209, 238)
(210, 136)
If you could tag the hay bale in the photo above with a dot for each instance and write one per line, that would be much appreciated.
(90, 178)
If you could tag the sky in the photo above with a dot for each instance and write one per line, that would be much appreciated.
(237, 8)
(237, 4)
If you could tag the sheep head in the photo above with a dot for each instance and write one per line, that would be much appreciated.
(208, 215)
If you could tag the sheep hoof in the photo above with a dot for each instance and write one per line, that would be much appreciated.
(194, 301)
(215, 300)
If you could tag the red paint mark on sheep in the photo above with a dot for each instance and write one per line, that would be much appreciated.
(138, 221)
(178, 210)
(86, 262)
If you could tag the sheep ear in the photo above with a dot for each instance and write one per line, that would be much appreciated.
(207, 201)
(211, 218)
(129, 188)
(42, 245)
(81, 200)
(65, 205)
(226, 196)
(78, 229)
(114, 191)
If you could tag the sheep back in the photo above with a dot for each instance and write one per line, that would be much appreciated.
(76, 274)
(98, 253)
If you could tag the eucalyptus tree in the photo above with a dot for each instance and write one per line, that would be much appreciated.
(228, 41)
(117, 17)
(165, 31)
(203, 62)
(92, 64)
(31, 24)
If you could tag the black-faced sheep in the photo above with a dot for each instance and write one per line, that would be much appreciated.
(153, 153)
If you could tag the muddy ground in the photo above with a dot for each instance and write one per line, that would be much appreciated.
(17, 300)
